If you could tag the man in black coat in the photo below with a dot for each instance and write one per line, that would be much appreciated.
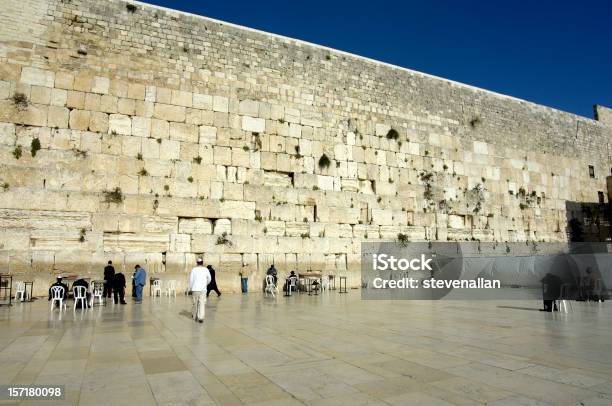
(109, 277)
(62, 285)
(82, 282)
(213, 282)
(119, 288)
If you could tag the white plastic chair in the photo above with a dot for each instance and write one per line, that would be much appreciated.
(97, 290)
(80, 294)
(564, 300)
(170, 288)
(293, 284)
(57, 294)
(156, 288)
(270, 286)
(324, 283)
(20, 290)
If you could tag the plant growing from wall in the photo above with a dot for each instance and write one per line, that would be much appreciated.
(190, 179)
(392, 134)
(143, 172)
(5, 186)
(139, 156)
(17, 152)
(402, 239)
(474, 122)
(197, 160)
(82, 235)
(324, 162)
(20, 100)
(113, 196)
(223, 240)
(131, 8)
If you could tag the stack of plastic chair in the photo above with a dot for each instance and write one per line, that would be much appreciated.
(20, 290)
(170, 288)
(156, 288)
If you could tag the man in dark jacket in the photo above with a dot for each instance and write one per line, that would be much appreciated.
(82, 282)
(62, 285)
(213, 282)
(119, 288)
(109, 277)
(551, 291)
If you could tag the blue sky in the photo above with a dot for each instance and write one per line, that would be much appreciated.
(555, 53)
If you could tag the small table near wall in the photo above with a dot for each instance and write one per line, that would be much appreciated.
(309, 277)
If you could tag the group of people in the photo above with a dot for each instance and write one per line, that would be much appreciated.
(114, 284)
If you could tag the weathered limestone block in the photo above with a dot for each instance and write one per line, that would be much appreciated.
(141, 126)
(184, 132)
(195, 226)
(297, 229)
(325, 182)
(120, 124)
(180, 243)
(202, 101)
(221, 226)
(35, 76)
(248, 108)
(220, 104)
(136, 242)
(169, 112)
(253, 124)
(456, 221)
(237, 209)
(169, 150)
(7, 133)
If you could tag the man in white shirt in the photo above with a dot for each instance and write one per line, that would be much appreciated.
(198, 281)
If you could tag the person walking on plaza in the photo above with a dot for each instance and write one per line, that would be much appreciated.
(198, 282)
(140, 279)
(119, 288)
(109, 277)
(213, 282)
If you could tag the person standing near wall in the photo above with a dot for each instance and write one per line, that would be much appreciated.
(198, 282)
(119, 288)
(109, 277)
(213, 282)
(244, 280)
(140, 279)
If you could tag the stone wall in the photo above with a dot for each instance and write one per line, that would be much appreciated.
(145, 135)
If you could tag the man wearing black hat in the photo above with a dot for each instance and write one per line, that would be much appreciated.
(109, 277)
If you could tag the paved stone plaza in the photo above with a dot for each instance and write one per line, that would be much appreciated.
(320, 350)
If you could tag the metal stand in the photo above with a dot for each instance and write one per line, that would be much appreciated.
(331, 279)
(342, 278)
(28, 297)
(6, 285)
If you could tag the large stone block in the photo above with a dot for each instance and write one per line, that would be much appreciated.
(252, 124)
(36, 76)
(120, 124)
(169, 112)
